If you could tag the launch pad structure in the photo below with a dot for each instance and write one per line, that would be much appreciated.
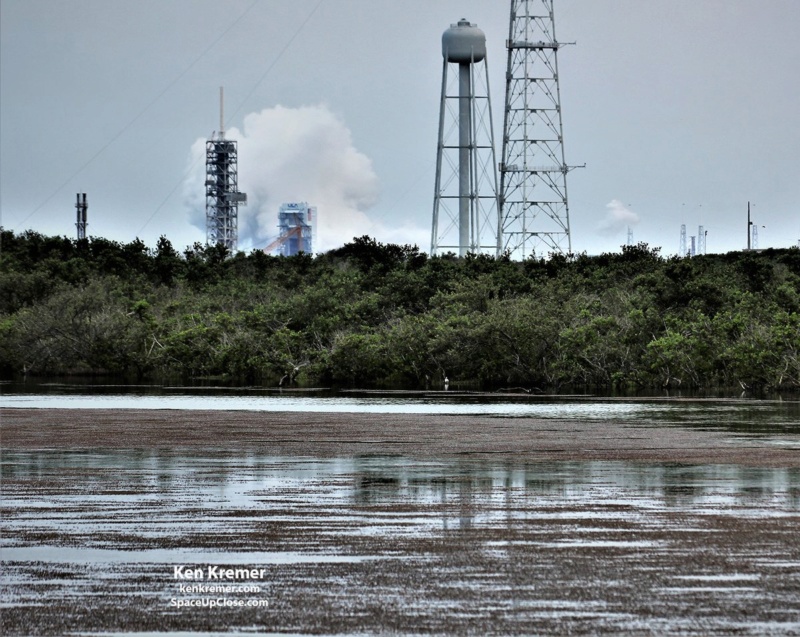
(222, 187)
(296, 230)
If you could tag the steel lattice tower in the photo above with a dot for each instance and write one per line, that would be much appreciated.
(222, 188)
(466, 212)
(682, 244)
(533, 173)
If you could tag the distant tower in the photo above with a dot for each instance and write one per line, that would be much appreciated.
(222, 188)
(466, 215)
(682, 245)
(533, 175)
(755, 237)
(630, 236)
(701, 240)
(81, 212)
(692, 249)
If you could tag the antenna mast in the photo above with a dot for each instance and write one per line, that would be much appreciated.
(221, 112)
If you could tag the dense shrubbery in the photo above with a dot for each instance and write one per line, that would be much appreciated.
(369, 314)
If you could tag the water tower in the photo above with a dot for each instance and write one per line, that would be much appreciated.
(466, 215)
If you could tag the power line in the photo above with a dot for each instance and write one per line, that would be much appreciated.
(171, 192)
(276, 60)
(127, 126)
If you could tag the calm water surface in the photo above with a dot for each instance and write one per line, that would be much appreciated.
(741, 414)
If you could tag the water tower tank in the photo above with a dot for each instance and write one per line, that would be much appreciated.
(463, 43)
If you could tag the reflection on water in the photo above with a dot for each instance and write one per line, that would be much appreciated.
(77, 493)
(448, 547)
(369, 544)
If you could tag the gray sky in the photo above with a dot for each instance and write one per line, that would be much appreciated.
(682, 110)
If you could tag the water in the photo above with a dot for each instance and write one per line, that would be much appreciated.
(364, 544)
(732, 414)
(542, 547)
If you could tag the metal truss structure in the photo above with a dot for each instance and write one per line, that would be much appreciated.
(222, 188)
(81, 212)
(533, 172)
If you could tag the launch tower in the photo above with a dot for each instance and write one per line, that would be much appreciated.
(222, 188)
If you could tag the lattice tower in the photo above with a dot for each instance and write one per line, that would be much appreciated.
(222, 188)
(682, 245)
(533, 172)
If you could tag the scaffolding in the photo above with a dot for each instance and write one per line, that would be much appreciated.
(222, 194)
(682, 250)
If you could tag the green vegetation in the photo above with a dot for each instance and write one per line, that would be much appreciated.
(369, 314)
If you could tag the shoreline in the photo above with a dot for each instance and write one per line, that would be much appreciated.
(342, 434)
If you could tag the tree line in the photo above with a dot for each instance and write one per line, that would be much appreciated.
(380, 315)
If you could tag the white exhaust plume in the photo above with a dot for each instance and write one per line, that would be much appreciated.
(293, 155)
(618, 218)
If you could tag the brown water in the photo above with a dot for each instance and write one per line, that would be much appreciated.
(385, 544)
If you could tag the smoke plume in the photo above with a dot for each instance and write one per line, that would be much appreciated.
(618, 218)
(294, 155)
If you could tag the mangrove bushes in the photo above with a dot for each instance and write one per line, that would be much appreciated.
(369, 314)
